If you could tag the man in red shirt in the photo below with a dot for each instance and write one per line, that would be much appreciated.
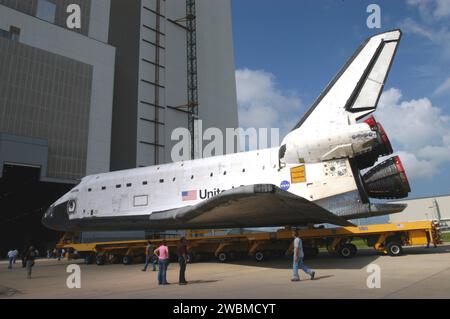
(182, 259)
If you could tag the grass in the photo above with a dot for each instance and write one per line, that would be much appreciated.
(359, 243)
(445, 237)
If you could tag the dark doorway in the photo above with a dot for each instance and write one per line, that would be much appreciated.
(23, 201)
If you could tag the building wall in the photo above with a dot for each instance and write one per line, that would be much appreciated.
(152, 85)
(427, 208)
(158, 103)
(30, 7)
(14, 149)
(70, 85)
(216, 78)
(47, 96)
(100, 11)
(124, 35)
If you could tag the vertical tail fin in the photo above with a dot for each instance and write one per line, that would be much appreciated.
(356, 89)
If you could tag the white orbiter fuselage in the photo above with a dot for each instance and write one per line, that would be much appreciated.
(313, 177)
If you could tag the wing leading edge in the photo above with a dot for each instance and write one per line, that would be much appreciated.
(258, 205)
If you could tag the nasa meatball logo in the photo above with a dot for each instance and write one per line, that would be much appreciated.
(285, 185)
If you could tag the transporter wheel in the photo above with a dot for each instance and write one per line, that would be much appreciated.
(315, 251)
(223, 257)
(346, 251)
(88, 259)
(127, 260)
(260, 256)
(100, 260)
(394, 248)
(310, 252)
(353, 248)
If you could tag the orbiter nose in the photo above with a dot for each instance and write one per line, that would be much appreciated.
(47, 217)
(56, 218)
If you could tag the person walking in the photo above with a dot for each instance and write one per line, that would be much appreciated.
(30, 256)
(149, 256)
(15, 255)
(182, 259)
(10, 259)
(61, 254)
(298, 259)
(163, 260)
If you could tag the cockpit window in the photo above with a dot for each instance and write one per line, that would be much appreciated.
(281, 154)
(71, 206)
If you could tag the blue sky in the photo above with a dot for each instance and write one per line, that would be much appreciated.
(287, 51)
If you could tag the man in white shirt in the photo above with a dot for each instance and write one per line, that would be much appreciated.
(10, 258)
(298, 259)
(16, 254)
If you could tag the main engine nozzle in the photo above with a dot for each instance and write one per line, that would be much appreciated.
(387, 180)
(382, 147)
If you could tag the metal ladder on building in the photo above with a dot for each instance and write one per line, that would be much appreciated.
(192, 74)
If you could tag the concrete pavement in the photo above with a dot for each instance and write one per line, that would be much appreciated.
(420, 273)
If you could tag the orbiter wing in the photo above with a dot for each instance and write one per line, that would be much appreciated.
(248, 206)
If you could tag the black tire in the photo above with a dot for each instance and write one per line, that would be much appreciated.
(353, 248)
(88, 259)
(223, 257)
(127, 260)
(394, 248)
(260, 256)
(100, 260)
(346, 251)
(310, 252)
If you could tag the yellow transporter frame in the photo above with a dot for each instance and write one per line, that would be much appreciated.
(382, 237)
(377, 236)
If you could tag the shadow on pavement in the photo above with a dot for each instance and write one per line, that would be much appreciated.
(191, 282)
(442, 249)
(8, 292)
(324, 260)
(322, 277)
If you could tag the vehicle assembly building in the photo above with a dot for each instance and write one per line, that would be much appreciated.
(435, 208)
(175, 64)
(102, 97)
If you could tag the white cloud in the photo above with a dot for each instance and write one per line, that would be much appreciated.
(439, 36)
(263, 105)
(442, 8)
(415, 167)
(443, 88)
(433, 25)
(432, 9)
(419, 131)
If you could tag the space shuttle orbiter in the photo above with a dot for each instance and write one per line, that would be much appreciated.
(313, 177)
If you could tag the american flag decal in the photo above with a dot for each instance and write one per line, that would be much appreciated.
(189, 195)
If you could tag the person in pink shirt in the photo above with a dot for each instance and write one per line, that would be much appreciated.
(163, 260)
